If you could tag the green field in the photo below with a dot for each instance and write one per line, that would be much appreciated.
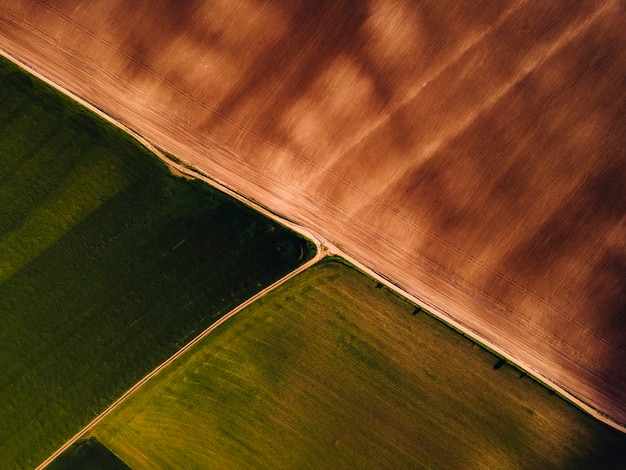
(108, 264)
(332, 370)
(88, 454)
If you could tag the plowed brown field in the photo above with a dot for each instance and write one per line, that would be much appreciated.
(473, 152)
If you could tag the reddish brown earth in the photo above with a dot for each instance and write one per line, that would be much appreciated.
(472, 152)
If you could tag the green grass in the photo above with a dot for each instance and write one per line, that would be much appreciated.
(329, 371)
(108, 264)
(88, 454)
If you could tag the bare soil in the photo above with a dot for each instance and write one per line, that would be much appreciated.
(472, 152)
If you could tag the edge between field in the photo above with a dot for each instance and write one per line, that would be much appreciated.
(318, 255)
(324, 248)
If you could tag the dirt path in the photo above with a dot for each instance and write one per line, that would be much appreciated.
(324, 248)
(321, 252)
(457, 197)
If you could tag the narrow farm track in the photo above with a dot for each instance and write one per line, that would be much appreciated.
(371, 223)
(471, 152)
(324, 248)
(320, 253)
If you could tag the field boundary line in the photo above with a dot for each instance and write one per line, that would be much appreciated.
(319, 255)
(324, 248)
(159, 153)
(447, 319)
(223, 145)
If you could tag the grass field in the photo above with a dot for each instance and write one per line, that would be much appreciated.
(108, 264)
(332, 370)
(91, 454)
